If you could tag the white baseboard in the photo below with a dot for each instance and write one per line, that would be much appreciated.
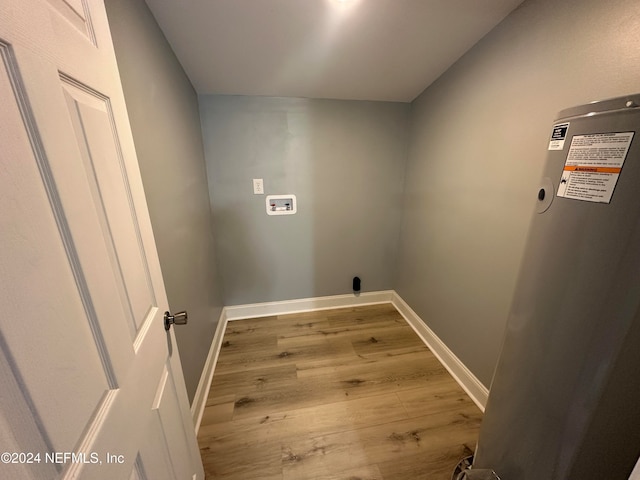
(238, 312)
(467, 380)
(474, 388)
(202, 392)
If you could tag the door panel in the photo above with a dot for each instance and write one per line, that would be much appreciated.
(97, 142)
(76, 14)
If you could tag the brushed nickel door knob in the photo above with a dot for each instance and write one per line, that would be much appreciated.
(179, 318)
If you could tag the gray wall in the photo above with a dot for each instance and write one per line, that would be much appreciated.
(163, 110)
(477, 147)
(345, 163)
(477, 144)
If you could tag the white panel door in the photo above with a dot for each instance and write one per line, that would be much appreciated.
(90, 383)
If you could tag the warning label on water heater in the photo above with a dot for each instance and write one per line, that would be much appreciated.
(593, 165)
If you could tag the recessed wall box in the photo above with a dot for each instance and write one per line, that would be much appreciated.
(281, 204)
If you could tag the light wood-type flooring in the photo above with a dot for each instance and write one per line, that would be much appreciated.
(349, 394)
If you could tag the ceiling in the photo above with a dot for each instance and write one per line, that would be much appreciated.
(388, 50)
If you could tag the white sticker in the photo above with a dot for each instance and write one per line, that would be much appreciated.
(558, 136)
(593, 166)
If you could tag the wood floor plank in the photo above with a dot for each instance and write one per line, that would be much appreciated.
(434, 398)
(387, 342)
(248, 382)
(368, 472)
(335, 394)
(242, 463)
(435, 465)
(278, 393)
(261, 356)
(390, 442)
(218, 413)
(315, 365)
(323, 419)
